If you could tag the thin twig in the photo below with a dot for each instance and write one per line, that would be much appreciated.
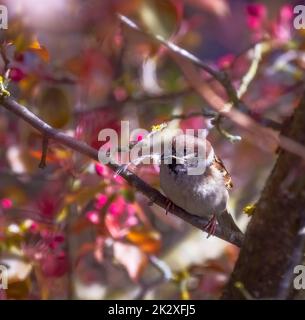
(166, 275)
(162, 267)
(249, 76)
(245, 51)
(137, 101)
(203, 113)
(4, 57)
(252, 130)
(245, 82)
(232, 138)
(220, 76)
(44, 152)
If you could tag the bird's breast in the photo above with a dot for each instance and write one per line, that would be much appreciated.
(202, 195)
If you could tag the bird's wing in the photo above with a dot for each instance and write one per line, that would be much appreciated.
(218, 164)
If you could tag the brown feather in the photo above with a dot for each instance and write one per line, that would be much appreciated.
(221, 167)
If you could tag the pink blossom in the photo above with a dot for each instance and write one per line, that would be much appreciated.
(139, 137)
(117, 207)
(101, 201)
(16, 74)
(286, 13)
(281, 28)
(131, 221)
(34, 226)
(48, 206)
(281, 32)
(6, 203)
(256, 15)
(226, 60)
(122, 216)
(99, 169)
(93, 217)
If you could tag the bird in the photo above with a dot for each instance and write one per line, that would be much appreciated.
(195, 179)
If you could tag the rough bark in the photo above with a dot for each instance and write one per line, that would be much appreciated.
(274, 242)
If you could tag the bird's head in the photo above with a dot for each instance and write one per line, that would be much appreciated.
(188, 153)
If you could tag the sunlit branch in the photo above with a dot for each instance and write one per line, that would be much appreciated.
(249, 76)
(83, 148)
(264, 138)
(220, 76)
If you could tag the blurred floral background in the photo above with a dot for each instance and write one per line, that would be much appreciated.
(74, 230)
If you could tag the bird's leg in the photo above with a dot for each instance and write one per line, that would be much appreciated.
(210, 228)
(169, 204)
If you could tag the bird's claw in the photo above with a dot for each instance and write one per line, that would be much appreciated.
(210, 228)
(168, 206)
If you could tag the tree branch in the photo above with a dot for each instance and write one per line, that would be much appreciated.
(220, 76)
(274, 240)
(169, 97)
(265, 138)
(154, 195)
(146, 99)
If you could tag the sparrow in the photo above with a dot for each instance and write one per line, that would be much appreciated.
(203, 192)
